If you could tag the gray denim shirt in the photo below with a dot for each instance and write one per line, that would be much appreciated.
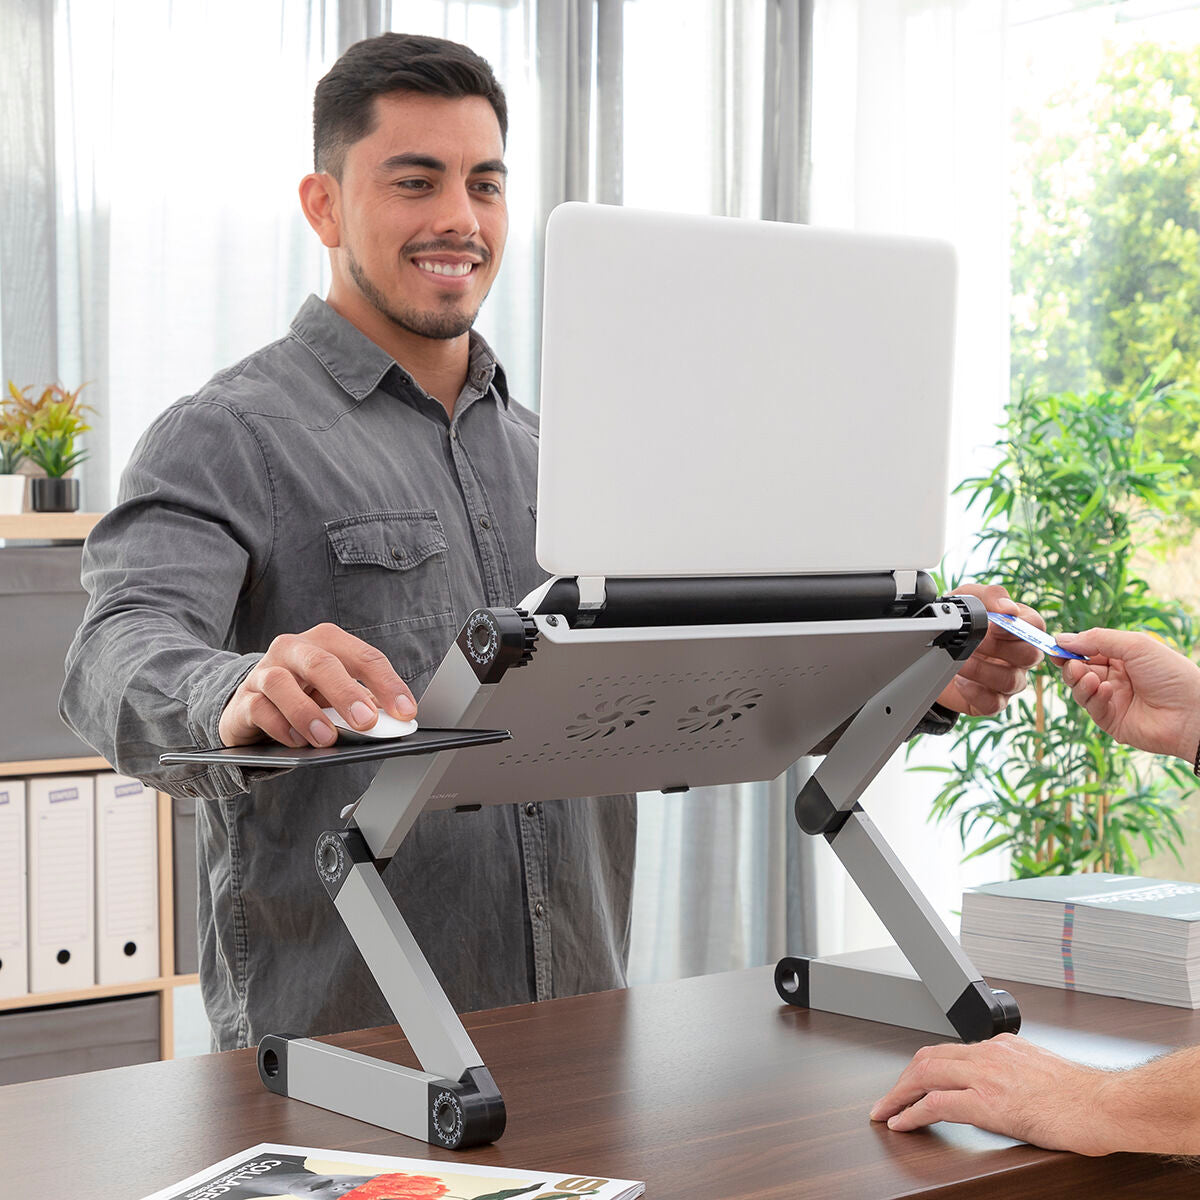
(316, 481)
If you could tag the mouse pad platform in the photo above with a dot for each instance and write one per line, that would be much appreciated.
(273, 755)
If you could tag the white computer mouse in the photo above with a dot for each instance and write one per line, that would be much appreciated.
(385, 727)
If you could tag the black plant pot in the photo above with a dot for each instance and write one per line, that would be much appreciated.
(55, 495)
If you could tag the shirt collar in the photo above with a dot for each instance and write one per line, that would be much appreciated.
(358, 365)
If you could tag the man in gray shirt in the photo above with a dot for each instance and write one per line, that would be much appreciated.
(369, 481)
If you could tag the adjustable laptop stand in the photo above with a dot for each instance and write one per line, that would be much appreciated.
(642, 685)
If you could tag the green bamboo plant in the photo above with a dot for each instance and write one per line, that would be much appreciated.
(1074, 493)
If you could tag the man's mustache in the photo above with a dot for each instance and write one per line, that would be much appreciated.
(442, 246)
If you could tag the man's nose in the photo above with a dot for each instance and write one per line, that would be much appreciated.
(455, 213)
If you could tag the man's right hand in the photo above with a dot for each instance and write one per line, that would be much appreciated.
(300, 674)
(1136, 688)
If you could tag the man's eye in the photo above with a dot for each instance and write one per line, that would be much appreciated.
(488, 188)
(413, 185)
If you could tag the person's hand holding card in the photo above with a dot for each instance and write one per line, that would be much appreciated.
(998, 670)
(1136, 688)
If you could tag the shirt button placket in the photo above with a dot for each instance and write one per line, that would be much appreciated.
(533, 845)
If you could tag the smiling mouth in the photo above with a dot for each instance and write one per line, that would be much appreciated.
(454, 270)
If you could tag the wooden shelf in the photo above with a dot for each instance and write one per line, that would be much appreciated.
(52, 527)
(97, 992)
(51, 766)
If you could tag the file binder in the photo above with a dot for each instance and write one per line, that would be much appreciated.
(62, 900)
(14, 924)
(126, 880)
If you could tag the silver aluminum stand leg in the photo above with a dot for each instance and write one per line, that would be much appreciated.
(454, 1103)
(947, 994)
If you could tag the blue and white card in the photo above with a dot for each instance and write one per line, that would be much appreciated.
(1031, 634)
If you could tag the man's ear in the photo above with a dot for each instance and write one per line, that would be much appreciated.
(320, 199)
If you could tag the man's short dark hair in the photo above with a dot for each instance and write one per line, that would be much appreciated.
(344, 102)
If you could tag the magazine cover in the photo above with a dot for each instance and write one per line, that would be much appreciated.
(307, 1174)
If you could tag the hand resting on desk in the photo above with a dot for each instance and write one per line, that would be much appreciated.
(300, 674)
(1008, 1085)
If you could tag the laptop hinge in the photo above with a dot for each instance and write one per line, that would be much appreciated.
(592, 598)
(906, 583)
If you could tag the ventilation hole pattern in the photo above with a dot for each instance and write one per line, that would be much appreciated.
(719, 710)
(748, 677)
(608, 717)
(593, 752)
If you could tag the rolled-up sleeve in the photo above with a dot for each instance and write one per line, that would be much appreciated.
(192, 532)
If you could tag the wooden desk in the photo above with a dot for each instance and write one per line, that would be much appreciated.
(708, 1089)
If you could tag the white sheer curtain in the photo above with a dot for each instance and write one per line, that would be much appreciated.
(910, 133)
(182, 131)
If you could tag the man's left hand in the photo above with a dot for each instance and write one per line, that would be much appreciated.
(998, 669)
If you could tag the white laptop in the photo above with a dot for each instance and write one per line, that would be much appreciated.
(731, 397)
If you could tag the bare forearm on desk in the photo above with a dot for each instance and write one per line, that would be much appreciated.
(1155, 1108)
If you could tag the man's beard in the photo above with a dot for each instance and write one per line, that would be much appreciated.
(441, 326)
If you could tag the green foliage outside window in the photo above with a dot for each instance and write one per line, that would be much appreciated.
(1106, 241)
(1076, 488)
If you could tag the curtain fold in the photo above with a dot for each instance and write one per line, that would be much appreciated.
(28, 323)
(28, 238)
(83, 114)
(359, 19)
(576, 42)
(787, 111)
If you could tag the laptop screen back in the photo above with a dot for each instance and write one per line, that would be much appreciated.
(729, 397)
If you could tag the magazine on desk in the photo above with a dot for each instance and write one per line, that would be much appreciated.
(308, 1174)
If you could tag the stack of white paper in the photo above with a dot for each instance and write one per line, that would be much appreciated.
(1117, 935)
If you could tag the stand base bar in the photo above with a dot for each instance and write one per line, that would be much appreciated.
(879, 985)
(456, 1115)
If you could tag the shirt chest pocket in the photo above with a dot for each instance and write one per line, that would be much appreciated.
(391, 587)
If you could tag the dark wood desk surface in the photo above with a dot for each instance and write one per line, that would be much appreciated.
(705, 1088)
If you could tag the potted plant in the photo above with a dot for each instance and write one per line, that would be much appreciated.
(1074, 494)
(55, 421)
(12, 452)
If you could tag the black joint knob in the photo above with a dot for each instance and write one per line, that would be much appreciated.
(494, 639)
(467, 1113)
(530, 631)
